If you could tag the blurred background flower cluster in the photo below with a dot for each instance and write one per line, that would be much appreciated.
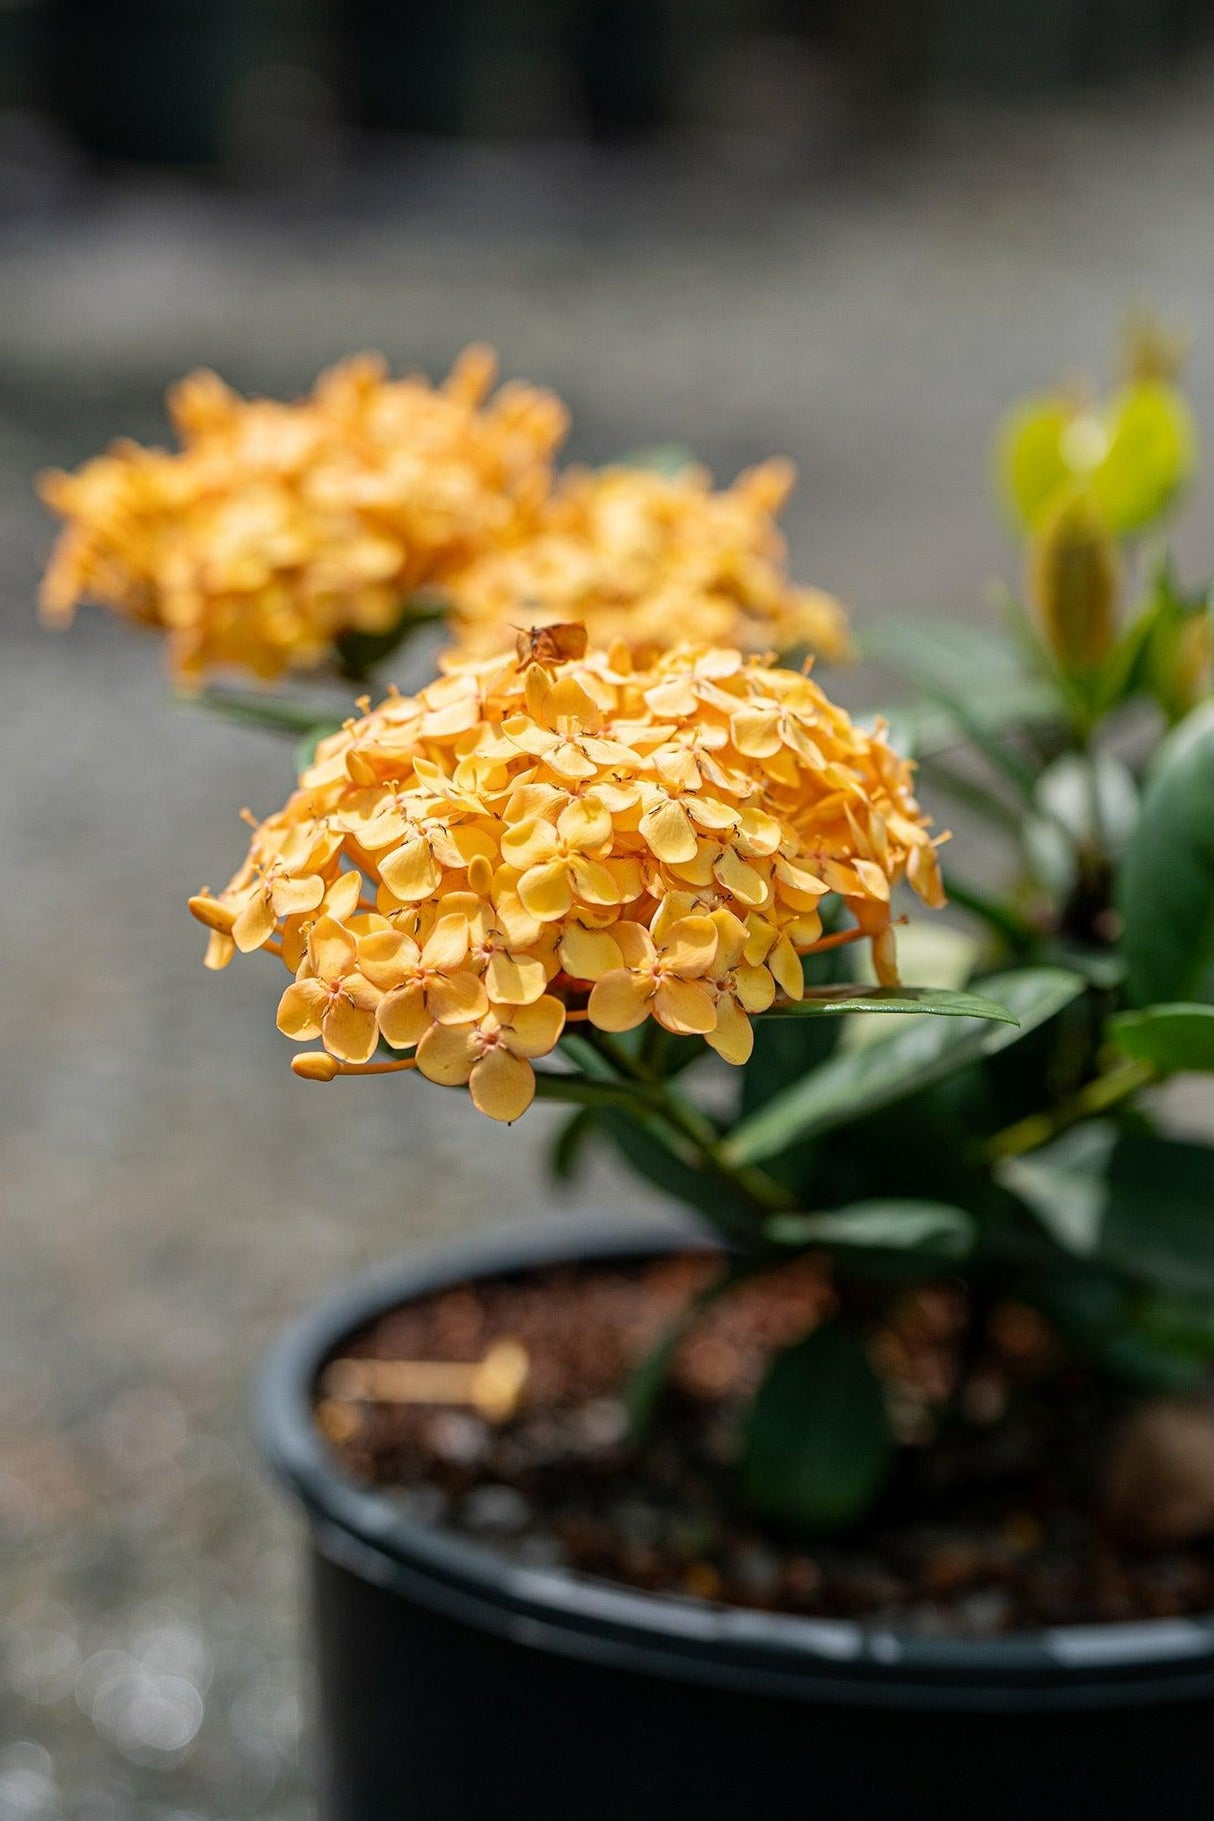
(851, 234)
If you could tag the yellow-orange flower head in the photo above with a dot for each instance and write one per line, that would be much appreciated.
(278, 527)
(655, 560)
(463, 871)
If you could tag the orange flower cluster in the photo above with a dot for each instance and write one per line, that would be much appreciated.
(462, 872)
(278, 527)
(655, 560)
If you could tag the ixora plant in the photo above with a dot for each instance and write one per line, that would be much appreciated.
(617, 844)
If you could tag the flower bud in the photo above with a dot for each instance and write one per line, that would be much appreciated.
(1074, 578)
(314, 1066)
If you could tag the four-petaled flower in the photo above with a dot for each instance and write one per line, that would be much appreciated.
(332, 998)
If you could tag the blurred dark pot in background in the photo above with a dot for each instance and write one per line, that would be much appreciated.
(454, 1683)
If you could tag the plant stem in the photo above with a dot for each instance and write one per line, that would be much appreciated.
(691, 1125)
(1097, 1096)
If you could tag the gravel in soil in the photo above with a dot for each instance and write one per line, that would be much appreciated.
(989, 1525)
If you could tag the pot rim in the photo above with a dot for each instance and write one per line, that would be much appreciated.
(580, 1616)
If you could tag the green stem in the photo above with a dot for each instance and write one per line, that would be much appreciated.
(575, 1090)
(1097, 1096)
(687, 1120)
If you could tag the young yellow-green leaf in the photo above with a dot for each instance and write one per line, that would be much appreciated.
(1151, 451)
(818, 1446)
(829, 1001)
(1173, 1038)
(1031, 465)
(1165, 889)
(853, 1083)
(887, 1226)
(1134, 453)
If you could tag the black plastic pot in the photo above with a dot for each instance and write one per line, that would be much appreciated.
(455, 1685)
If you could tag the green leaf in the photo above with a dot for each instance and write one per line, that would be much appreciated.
(565, 1155)
(1166, 883)
(1142, 1205)
(976, 685)
(1159, 1221)
(1081, 802)
(305, 749)
(259, 709)
(361, 653)
(889, 1226)
(856, 1082)
(1173, 1038)
(829, 1001)
(574, 1090)
(646, 1145)
(818, 1446)
(666, 459)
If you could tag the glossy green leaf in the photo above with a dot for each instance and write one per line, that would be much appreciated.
(831, 1001)
(1141, 1204)
(1165, 889)
(654, 1154)
(818, 1447)
(856, 1082)
(890, 1226)
(1173, 1038)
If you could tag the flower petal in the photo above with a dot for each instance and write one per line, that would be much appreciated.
(502, 1085)
(411, 871)
(403, 1016)
(690, 947)
(684, 1007)
(457, 998)
(515, 979)
(545, 891)
(666, 829)
(332, 950)
(447, 944)
(733, 1039)
(349, 1030)
(588, 954)
(301, 1009)
(294, 897)
(446, 1054)
(388, 957)
(620, 1001)
(534, 1030)
(254, 925)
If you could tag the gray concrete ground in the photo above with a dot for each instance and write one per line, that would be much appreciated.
(170, 1192)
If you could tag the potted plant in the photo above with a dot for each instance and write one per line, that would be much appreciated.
(912, 1443)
